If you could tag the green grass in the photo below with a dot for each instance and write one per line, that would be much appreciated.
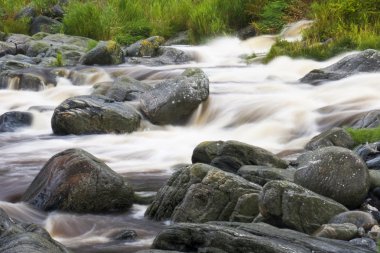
(364, 135)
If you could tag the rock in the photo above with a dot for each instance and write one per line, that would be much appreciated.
(334, 172)
(201, 193)
(7, 48)
(246, 33)
(45, 24)
(223, 237)
(17, 237)
(26, 12)
(165, 56)
(365, 243)
(33, 78)
(297, 207)
(143, 48)
(359, 218)
(157, 251)
(174, 100)
(94, 114)
(124, 235)
(374, 178)
(21, 42)
(231, 155)
(370, 154)
(76, 181)
(264, 174)
(369, 119)
(10, 121)
(345, 231)
(181, 38)
(333, 137)
(375, 232)
(105, 53)
(16, 62)
(366, 61)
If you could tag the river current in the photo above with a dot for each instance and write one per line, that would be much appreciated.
(263, 105)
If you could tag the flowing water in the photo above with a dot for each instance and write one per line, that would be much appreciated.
(262, 105)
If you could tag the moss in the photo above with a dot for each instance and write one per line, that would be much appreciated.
(364, 135)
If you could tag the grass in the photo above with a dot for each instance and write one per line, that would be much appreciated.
(364, 135)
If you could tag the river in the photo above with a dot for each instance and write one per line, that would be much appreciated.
(263, 105)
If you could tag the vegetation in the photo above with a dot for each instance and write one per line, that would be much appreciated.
(364, 135)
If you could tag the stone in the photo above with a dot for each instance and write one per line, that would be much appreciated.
(165, 56)
(7, 48)
(94, 115)
(369, 119)
(76, 181)
(296, 207)
(174, 100)
(344, 231)
(18, 237)
(374, 178)
(365, 243)
(45, 24)
(263, 174)
(21, 42)
(370, 154)
(145, 48)
(11, 121)
(334, 172)
(333, 137)
(33, 78)
(181, 38)
(232, 155)
(223, 237)
(201, 193)
(105, 53)
(367, 61)
(246, 33)
(359, 218)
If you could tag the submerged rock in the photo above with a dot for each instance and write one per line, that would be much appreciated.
(10, 121)
(17, 237)
(333, 137)
(105, 53)
(334, 172)
(76, 181)
(94, 115)
(366, 61)
(174, 100)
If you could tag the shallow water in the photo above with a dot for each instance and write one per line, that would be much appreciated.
(262, 105)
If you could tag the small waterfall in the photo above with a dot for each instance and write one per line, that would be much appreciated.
(14, 83)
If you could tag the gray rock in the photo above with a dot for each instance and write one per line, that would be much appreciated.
(224, 237)
(365, 243)
(7, 48)
(165, 56)
(143, 48)
(264, 174)
(157, 251)
(201, 193)
(16, 62)
(297, 207)
(246, 33)
(10, 121)
(333, 137)
(105, 53)
(45, 24)
(374, 178)
(21, 42)
(344, 231)
(231, 155)
(76, 181)
(366, 61)
(94, 114)
(181, 38)
(359, 218)
(370, 154)
(369, 119)
(27, 12)
(174, 100)
(334, 172)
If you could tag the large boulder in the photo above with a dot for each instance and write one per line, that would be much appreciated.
(366, 61)
(76, 181)
(226, 237)
(17, 237)
(296, 207)
(201, 193)
(45, 24)
(263, 174)
(333, 137)
(94, 115)
(231, 155)
(174, 100)
(10, 121)
(105, 53)
(334, 172)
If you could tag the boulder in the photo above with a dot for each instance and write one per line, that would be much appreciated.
(369, 119)
(223, 237)
(94, 115)
(296, 207)
(263, 174)
(366, 61)
(344, 231)
(33, 78)
(10, 121)
(45, 24)
(174, 100)
(374, 178)
(20, 41)
(231, 155)
(201, 193)
(246, 33)
(333, 137)
(105, 53)
(15, 62)
(7, 48)
(334, 172)
(18, 237)
(76, 181)
(145, 48)
(165, 56)
(358, 218)
(370, 154)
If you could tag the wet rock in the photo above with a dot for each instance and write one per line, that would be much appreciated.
(264, 174)
(45, 24)
(143, 48)
(76, 181)
(165, 56)
(359, 218)
(231, 155)
(94, 114)
(366, 61)
(370, 153)
(201, 193)
(345, 231)
(11, 121)
(7, 48)
(125, 235)
(20, 41)
(246, 237)
(246, 33)
(334, 172)
(369, 119)
(374, 178)
(105, 53)
(174, 100)
(297, 207)
(15, 62)
(333, 137)
(365, 243)
(17, 237)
